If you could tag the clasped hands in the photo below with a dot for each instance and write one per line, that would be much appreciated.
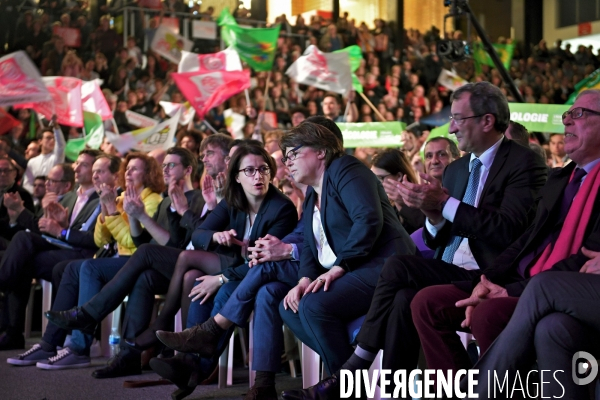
(427, 196)
(268, 248)
(55, 219)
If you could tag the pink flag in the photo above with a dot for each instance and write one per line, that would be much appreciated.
(65, 103)
(94, 101)
(207, 90)
(20, 80)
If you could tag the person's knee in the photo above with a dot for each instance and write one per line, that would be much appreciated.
(554, 331)
(395, 269)
(424, 305)
(72, 271)
(189, 278)
(269, 295)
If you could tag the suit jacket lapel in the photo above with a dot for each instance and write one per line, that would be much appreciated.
(499, 160)
(85, 211)
(552, 199)
(308, 226)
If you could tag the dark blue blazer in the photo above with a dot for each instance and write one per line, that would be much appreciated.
(277, 216)
(360, 224)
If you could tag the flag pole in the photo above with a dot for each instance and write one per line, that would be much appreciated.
(347, 109)
(247, 97)
(210, 126)
(375, 110)
(267, 87)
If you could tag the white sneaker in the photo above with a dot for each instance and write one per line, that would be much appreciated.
(31, 356)
(65, 359)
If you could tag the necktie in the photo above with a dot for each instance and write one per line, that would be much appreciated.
(468, 198)
(569, 194)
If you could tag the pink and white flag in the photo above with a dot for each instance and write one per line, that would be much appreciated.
(93, 99)
(226, 60)
(327, 71)
(65, 102)
(20, 80)
(187, 111)
(207, 90)
(169, 44)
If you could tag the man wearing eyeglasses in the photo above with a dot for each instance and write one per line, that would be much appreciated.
(160, 239)
(68, 222)
(52, 145)
(563, 237)
(482, 206)
(8, 184)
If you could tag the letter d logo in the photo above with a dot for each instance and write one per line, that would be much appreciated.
(580, 367)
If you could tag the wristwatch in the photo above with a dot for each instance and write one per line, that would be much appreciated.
(221, 280)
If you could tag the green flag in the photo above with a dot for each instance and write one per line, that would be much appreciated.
(94, 134)
(256, 46)
(592, 81)
(355, 56)
(481, 57)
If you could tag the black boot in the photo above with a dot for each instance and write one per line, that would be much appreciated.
(183, 370)
(127, 362)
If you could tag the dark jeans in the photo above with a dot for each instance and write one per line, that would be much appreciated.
(93, 275)
(322, 319)
(261, 290)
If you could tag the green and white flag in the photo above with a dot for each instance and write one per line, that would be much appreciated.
(255, 46)
(372, 134)
(94, 134)
(592, 81)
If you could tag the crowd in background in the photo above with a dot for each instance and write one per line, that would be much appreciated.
(400, 81)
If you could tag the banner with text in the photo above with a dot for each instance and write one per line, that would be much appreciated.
(372, 134)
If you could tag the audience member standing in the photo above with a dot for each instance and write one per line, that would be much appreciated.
(52, 144)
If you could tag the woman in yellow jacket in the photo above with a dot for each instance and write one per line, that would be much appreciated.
(142, 180)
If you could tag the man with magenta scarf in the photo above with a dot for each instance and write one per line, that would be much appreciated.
(563, 237)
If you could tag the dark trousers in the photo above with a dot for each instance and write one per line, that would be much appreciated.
(161, 259)
(437, 319)
(556, 316)
(138, 311)
(388, 324)
(28, 256)
(322, 319)
(261, 290)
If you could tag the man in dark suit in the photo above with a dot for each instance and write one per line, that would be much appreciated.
(560, 223)
(484, 205)
(8, 184)
(29, 255)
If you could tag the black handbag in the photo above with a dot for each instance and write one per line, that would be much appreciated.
(107, 251)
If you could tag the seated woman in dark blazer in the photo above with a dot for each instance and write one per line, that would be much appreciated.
(350, 228)
(392, 165)
(252, 208)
